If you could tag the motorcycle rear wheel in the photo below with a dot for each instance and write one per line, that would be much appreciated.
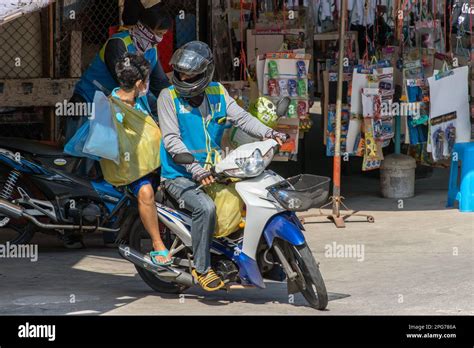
(138, 235)
(310, 282)
(16, 234)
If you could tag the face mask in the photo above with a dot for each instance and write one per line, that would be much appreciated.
(142, 94)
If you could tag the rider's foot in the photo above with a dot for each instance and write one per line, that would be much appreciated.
(209, 281)
(109, 239)
(160, 254)
(73, 242)
(161, 257)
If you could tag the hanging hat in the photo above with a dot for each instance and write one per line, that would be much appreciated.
(149, 3)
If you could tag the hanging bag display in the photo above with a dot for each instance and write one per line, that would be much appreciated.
(449, 112)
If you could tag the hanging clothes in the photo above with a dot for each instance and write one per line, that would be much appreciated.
(361, 20)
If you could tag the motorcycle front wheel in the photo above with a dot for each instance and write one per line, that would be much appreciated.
(309, 280)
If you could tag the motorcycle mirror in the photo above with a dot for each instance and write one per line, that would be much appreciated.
(282, 106)
(183, 158)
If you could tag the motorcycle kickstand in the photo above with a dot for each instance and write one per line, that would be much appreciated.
(188, 255)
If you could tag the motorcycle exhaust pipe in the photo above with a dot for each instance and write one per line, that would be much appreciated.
(16, 212)
(165, 272)
(10, 210)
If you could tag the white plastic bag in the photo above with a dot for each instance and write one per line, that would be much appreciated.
(102, 140)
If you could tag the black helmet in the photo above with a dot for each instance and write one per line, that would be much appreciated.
(194, 58)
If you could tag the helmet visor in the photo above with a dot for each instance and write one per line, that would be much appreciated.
(189, 62)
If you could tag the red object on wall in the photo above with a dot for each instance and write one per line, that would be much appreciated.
(166, 49)
(113, 30)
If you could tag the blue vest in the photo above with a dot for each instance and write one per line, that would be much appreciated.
(98, 70)
(201, 137)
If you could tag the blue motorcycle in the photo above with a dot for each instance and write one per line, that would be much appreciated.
(39, 192)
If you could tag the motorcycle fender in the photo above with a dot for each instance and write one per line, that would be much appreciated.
(286, 227)
(22, 165)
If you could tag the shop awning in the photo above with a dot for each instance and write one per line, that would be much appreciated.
(12, 9)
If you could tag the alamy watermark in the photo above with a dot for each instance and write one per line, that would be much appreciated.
(77, 109)
(400, 109)
(355, 251)
(28, 330)
(14, 251)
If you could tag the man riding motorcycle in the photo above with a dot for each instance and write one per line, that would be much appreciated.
(193, 114)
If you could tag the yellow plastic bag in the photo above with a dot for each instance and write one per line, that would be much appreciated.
(139, 145)
(229, 208)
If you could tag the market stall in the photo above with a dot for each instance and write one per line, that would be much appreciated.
(402, 60)
(393, 49)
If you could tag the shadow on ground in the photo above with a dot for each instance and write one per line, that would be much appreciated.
(97, 281)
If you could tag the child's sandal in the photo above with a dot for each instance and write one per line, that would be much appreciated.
(162, 253)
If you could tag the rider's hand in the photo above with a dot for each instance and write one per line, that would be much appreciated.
(279, 137)
(208, 181)
(204, 177)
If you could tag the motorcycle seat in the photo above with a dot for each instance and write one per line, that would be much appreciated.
(32, 147)
(163, 197)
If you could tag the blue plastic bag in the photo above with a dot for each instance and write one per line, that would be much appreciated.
(75, 145)
(102, 140)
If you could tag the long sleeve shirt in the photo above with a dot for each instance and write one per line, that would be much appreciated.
(170, 127)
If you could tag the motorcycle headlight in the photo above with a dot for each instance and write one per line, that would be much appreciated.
(251, 166)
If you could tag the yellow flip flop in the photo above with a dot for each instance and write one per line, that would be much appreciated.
(207, 279)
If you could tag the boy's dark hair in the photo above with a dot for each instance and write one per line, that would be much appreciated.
(130, 69)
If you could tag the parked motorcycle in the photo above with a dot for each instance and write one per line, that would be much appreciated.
(271, 245)
(39, 192)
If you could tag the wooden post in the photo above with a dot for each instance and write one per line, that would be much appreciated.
(57, 38)
(47, 49)
(120, 6)
(338, 220)
(75, 54)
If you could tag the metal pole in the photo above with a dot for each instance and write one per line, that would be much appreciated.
(398, 130)
(340, 79)
(399, 26)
